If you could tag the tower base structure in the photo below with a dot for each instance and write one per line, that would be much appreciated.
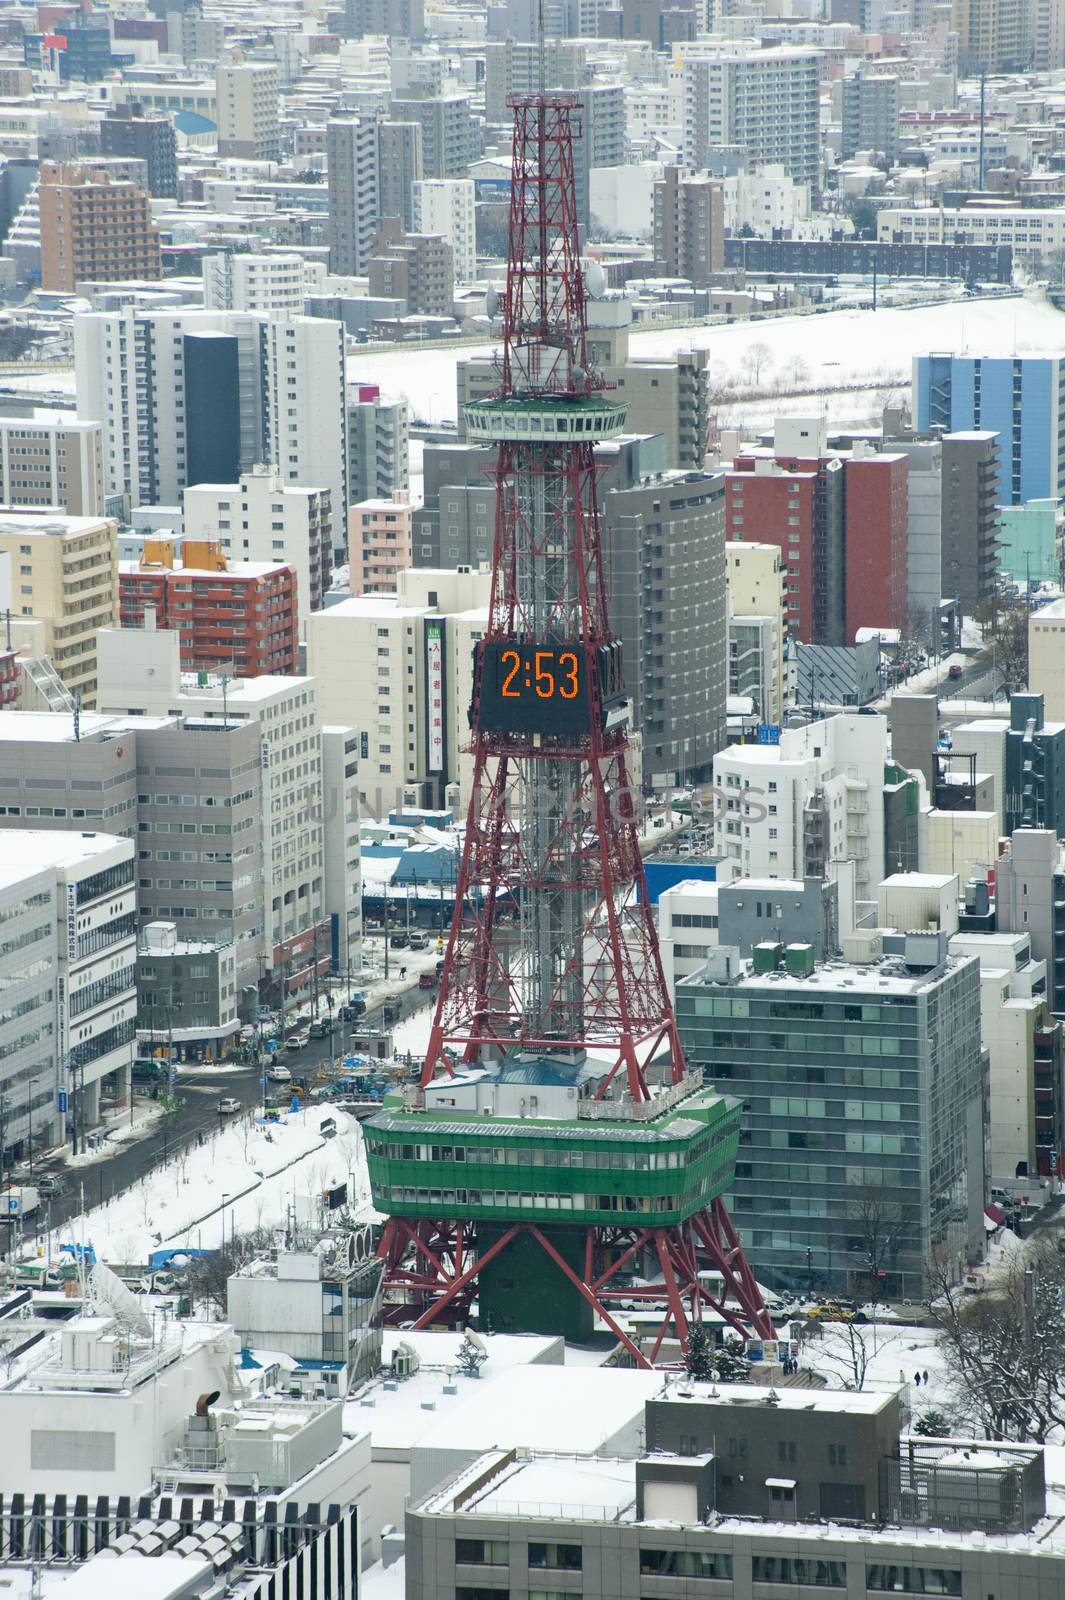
(556, 1223)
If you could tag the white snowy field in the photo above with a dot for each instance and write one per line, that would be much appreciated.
(247, 1176)
(806, 354)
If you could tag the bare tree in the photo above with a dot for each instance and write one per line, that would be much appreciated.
(209, 1274)
(848, 1347)
(757, 358)
(880, 1223)
(1003, 1346)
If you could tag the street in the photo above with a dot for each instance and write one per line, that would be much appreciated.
(118, 1166)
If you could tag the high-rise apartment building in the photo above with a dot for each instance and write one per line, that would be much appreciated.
(450, 139)
(378, 436)
(250, 281)
(790, 809)
(249, 126)
(1048, 36)
(127, 130)
(351, 144)
(390, 19)
(94, 228)
(1021, 398)
(512, 66)
(865, 1130)
(993, 35)
(767, 101)
(445, 206)
(972, 494)
(379, 544)
(52, 459)
(1030, 898)
(399, 168)
(840, 522)
(198, 841)
(191, 397)
(600, 141)
(64, 573)
(263, 519)
(870, 114)
(417, 268)
(689, 226)
(238, 618)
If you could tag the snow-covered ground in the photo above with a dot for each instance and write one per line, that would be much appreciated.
(873, 348)
(246, 1176)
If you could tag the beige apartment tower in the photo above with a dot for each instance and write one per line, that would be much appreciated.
(94, 228)
(62, 571)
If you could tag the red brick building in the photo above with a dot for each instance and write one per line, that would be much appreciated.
(840, 522)
(241, 617)
(9, 680)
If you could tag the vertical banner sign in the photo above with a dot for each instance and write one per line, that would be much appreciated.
(72, 923)
(434, 652)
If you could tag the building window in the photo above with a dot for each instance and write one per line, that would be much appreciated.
(481, 1552)
(685, 1563)
(565, 1557)
(800, 1570)
(886, 1579)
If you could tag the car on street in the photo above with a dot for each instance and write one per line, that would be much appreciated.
(319, 1029)
(954, 672)
(295, 1042)
(419, 941)
(427, 980)
(227, 1105)
(49, 1185)
(279, 1074)
(399, 941)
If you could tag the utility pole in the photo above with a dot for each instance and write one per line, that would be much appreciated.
(983, 119)
(314, 972)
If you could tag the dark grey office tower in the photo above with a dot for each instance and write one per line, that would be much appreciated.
(128, 131)
(394, 19)
(450, 139)
(665, 543)
(971, 521)
(863, 1147)
(453, 527)
(1035, 768)
(212, 408)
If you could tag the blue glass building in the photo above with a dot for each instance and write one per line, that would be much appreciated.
(1021, 398)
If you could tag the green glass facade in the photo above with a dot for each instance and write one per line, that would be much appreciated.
(862, 1145)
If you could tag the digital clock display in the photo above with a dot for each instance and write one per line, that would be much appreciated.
(533, 686)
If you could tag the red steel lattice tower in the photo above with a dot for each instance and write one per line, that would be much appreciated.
(552, 977)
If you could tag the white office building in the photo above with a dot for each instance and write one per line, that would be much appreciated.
(50, 458)
(68, 998)
(445, 206)
(787, 810)
(140, 674)
(399, 667)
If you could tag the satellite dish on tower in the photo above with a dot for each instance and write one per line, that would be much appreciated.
(595, 280)
(108, 1293)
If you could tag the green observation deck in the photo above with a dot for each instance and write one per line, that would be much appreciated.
(544, 419)
(525, 1142)
(652, 1164)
